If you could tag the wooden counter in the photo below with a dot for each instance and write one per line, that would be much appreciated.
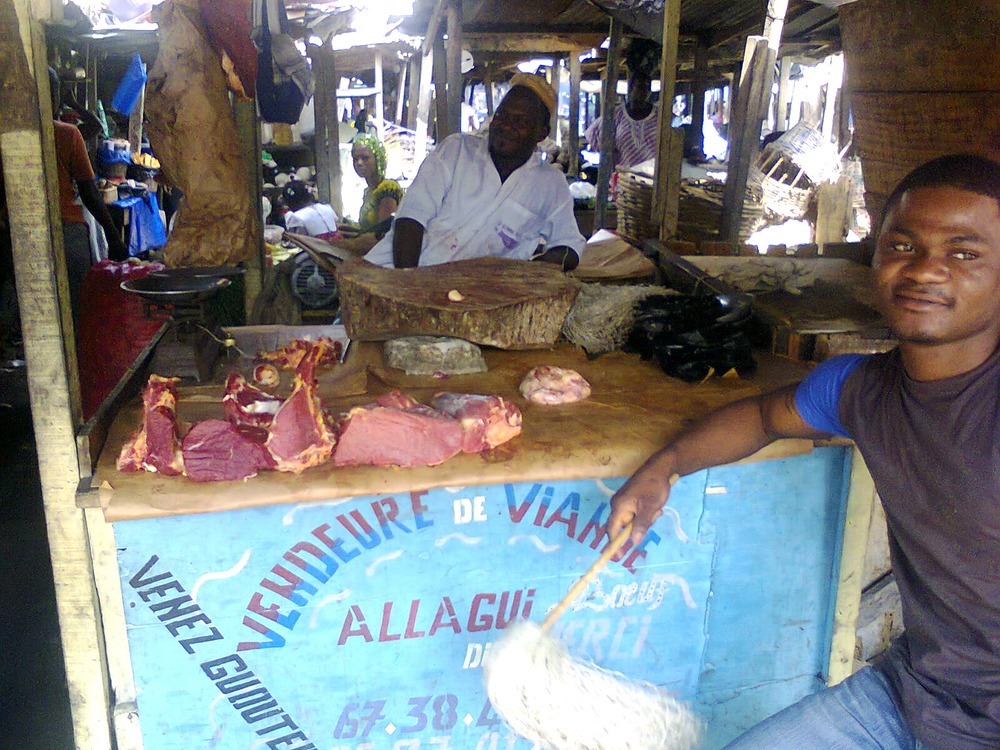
(633, 410)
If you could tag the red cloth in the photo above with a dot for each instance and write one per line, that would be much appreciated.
(112, 328)
(228, 24)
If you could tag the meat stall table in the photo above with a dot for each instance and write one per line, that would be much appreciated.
(351, 608)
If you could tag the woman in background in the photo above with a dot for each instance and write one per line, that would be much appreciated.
(381, 197)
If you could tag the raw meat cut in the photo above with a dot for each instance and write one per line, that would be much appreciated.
(554, 385)
(216, 450)
(299, 436)
(246, 405)
(156, 445)
(325, 349)
(396, 431)
(487, 421)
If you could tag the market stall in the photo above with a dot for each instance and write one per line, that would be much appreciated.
(352, 607)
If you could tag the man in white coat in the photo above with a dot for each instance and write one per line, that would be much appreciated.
(474, 197)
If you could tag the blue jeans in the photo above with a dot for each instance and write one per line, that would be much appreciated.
(857, 714)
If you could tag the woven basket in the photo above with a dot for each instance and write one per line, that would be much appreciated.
(635, 208)
(784, 188)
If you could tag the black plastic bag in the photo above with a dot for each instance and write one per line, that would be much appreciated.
(693, 336)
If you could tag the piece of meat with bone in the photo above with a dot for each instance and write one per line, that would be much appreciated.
(299, 436)
(487, 421)
(396, 431)
(554, 385)
(155, 446)
(247, 405)
(216, 450)
(324, 349)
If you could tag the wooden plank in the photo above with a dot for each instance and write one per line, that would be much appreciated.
(609, 100)
(666, 188)
(326, 143)
(29, 162)
(104, 553)
(423, 106)
(860, 497)
(744, 132)
(248, 133)
(440, 75)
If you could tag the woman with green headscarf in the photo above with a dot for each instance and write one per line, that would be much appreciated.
(381, 197)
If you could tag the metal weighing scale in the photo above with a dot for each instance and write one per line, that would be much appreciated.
(181, 297)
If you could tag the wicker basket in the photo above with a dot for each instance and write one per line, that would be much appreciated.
(635, 208)
(784, 188)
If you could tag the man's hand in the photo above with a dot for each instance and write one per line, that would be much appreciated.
(641, 499)
(407, 241)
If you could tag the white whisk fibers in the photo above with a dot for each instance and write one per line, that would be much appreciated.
(549, 697)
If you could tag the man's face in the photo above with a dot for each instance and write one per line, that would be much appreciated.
(937, 268)
(517, 127)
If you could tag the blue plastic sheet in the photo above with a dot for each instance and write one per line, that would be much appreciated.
(130, 87)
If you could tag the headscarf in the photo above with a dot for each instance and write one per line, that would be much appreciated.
(377, 148)
(540, 86)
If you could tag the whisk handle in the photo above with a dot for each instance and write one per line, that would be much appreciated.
(583, 581)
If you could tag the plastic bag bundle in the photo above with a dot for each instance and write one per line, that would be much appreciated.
(693, 337)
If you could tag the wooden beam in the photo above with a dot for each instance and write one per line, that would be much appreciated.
(666, 190)
(544, 44)
(29, 163)
(696, 135)
(440, 90)
(555, 72)
(135, 122)
(423, 107)
(248, 133)
(573, 140)
(401, 90)
(453, 15)
(431, 32)
(609, 100)
(379, 95)
(413, 92)
(744, 134)
(326, 141)
(784, 84)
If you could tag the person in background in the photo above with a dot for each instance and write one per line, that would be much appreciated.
(925, 417)
(381, 197)
(476, 197)
(636, 120)
(305, 215)
(76, 187)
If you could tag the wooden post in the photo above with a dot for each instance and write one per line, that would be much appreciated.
(833, 86)
(573, 141)
(556, 82)
(326, 142)
(609, 99)
(413, 93)
(401, 91)
(29, 165)
(488, 86)
(453, 15)
(135, 122)
(248, 132)
(696, 137)
(442, 123)
(423, 106)
(666, 190)
(784, 84)
(744, 134)
(379, 95)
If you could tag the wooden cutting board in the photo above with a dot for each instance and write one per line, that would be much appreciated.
(509, 304)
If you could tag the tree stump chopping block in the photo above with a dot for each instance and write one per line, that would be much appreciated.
(508, 304)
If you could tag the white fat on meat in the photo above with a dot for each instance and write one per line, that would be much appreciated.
(554, 385)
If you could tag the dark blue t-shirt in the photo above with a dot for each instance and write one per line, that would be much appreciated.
(933, 449)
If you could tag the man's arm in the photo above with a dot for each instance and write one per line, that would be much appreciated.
(91, 198)
(407, 240)
(733, 432)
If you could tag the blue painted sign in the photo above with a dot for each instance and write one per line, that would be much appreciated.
(363, 623)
